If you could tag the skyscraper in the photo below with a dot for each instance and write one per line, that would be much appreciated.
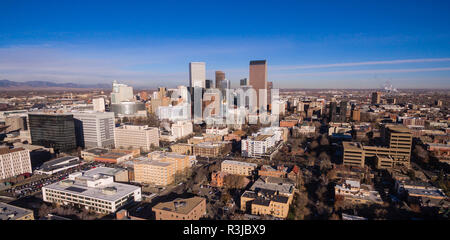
(94, 129)
(53, 130)
(197, 74)
(99, 104)
(244, 82)
(258, 77)
(121, 93)
(343, 108)
(376, 97)
(220, 76)
(333, 111)
(208, 83)
(269, 94)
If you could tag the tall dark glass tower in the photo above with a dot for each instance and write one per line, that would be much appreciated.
(343, 111)
(53, 130)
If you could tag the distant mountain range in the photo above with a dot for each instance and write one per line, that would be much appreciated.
(7, 84)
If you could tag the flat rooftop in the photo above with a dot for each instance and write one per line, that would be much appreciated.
(113, 155)
(102, 171)
(179, 205)
(240, 163)
(262, 137)
(74, 187)
(11, 212)
(352, 146)
(96, 151)
(153, 162)
(398, 128)
(6, 150)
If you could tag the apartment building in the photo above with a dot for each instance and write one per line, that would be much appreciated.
(269, 171)
(211, 149)
(136, 136)
(154, 172)
(218, 178)
(265, 204)
(353, 192)
(94, 129)
(269, 196)
(94, 190)
(182, 148)
(182, 162)
(238, 168)
(257, 146)
(14, 162)
(217, 131)
(181, 209)
(204, 138)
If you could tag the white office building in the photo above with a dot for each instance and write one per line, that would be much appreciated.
(94, 190)
(14, 162)
(184, 94)
(136, 136)
(197, 74)
(182, 128)
(121, 93)
(99, 104)
(94, 129)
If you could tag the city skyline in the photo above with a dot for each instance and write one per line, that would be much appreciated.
(307, 45)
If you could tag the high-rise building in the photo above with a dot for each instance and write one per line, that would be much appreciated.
(243, 82)
(136, 136)
(14, 162)
(208, 83)
(197, 74)
(220, 76)
(258, 77)
(269, 92)
(121, 93)
(54, 130)
(94, 129)
(376, 97)
(356, 115)
(333, 111)
(99, 104)
(343, 109)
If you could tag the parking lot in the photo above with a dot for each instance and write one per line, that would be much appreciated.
(32, 187)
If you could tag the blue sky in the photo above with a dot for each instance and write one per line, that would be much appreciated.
(308, 44)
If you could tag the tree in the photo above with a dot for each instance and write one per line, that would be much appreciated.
(234, 181)
(314, 144)
(421, 154)
(324, 140)
(324, 161)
